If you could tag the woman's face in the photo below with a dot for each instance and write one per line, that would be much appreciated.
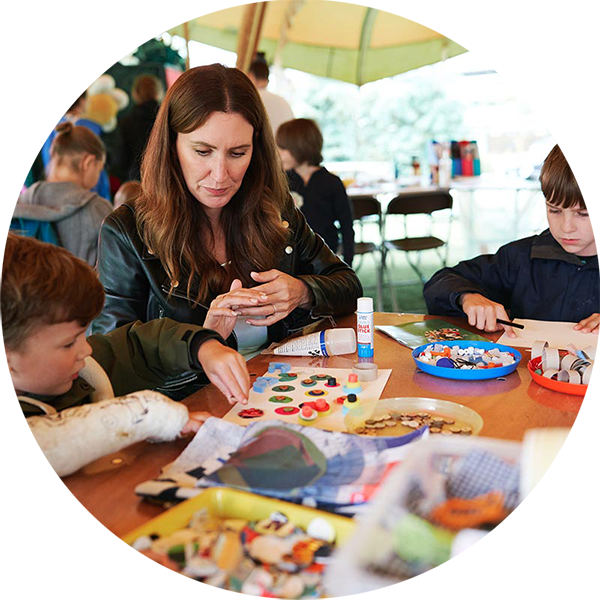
(214, 159)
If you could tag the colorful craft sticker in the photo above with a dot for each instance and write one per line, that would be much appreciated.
(316, 393)
(288, 376)
(251, 413)
(320, 377)
(444, 334)
(308, 382)
(283, 388)
(280, 399)
(287, 410)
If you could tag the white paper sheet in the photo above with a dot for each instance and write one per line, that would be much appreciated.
(558, 334)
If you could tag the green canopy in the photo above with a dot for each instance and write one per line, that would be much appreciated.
(342, 41)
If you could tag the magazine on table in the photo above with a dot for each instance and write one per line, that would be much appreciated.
(413, 335)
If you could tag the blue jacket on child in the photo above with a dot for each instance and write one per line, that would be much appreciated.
(533, 278)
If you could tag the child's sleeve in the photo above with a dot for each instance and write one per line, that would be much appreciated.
(142, 355)
(76, 436)
(491, 275)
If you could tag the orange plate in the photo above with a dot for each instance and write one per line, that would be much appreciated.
(577, 389)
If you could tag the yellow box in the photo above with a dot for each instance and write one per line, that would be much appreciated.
(226, 503)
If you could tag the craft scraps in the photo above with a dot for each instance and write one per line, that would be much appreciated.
(458, 357)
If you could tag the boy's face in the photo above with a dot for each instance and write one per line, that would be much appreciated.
(50, 359)
(572, 229)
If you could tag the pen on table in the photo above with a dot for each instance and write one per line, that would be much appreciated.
(517, 325)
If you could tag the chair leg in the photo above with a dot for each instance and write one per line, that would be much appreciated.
(379, 285)
(415, 266)
(444, 256)
(385, 272)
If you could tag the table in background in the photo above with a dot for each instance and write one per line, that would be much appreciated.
(513, 204)
(508, 408)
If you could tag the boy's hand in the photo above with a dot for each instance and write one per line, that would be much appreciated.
(482, 313)
(589, 325)
(227, 369)
(195, 421)
(225, 308)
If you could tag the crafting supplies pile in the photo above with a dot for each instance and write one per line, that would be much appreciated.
(272, 557)
(458, 357)
(444, 497)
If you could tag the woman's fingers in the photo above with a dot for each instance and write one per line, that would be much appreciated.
(246, 297)
(223, 312)
(270, 320)
(264, 310)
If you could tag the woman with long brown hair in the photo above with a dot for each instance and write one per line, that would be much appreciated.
(213, 237)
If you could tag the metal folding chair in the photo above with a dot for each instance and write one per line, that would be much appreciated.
(367, 209)
(418, 203)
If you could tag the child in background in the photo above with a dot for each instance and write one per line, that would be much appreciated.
(128, 190)
(551, 277)
(324, 199)
(49, 298)
(66, 199)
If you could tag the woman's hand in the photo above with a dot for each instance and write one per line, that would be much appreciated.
(284, 294)
(482, 313)
(195, 421)
(223, 311)
(589, 325)
(227, 369)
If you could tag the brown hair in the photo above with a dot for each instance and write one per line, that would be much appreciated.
(35, 276)
(558, 182)
(145, 88)
(303, 139)
(259, 69)
(169, 218)
(73, 141)
(127, 191)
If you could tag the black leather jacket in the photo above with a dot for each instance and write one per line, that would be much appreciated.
(137, 286)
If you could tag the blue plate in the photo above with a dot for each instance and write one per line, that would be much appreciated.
(468, 374)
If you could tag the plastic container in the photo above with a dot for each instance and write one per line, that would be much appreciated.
(407, 405)
(468, 374)
(373, 536)
(330, 342)
(576, 389)
(226, 504)
(364, 327)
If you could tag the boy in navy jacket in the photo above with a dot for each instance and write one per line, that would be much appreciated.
(552, 276)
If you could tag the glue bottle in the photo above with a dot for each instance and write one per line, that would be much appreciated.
(330, 342)
(364, 327)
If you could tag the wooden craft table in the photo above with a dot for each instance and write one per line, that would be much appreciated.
(508, 408)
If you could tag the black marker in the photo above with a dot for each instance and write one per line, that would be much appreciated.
(517, 325)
